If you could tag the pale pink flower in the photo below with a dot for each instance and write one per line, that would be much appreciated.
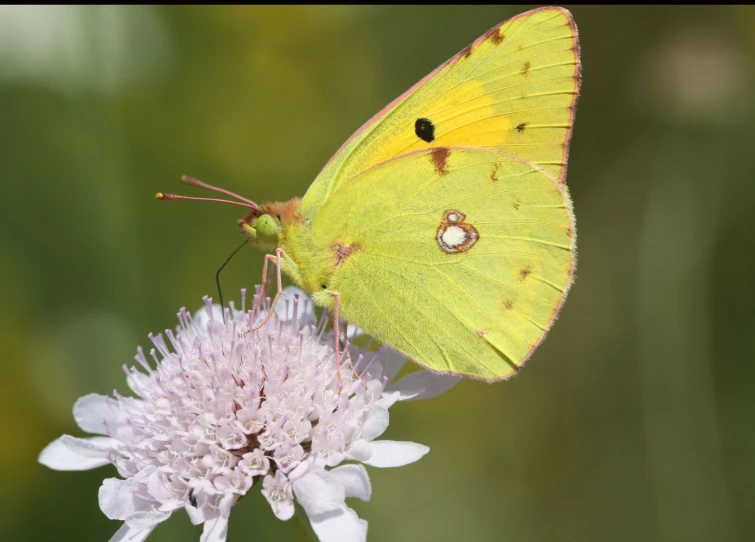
(224, 408)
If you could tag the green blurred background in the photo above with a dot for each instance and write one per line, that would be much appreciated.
(634, 419)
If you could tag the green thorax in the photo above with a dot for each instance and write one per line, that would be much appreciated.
(280, 225)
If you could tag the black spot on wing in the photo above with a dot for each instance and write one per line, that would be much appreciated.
(425, 130)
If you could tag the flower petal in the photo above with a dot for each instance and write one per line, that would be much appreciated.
(388, 399)
(278, 492)
(70, 453)
(196, 516)
(392, 362)
(422, 384)
(284, 510)
(139, 383)
(305, 309)
(97, 413)
(391, 453)
(318, 493)
(215, 529)
(354, 480)
(361, 450)
(375, 424)
(342, 525)
(353, 332)
(116, 498)
(228, 500)
(203, 316)
(129, 501)
(129, 534)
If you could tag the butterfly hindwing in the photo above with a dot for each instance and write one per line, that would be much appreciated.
(460, 258)
(514, 89)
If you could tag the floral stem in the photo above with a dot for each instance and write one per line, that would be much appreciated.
(301, 526)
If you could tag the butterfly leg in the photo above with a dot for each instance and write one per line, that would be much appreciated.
(263, 287)
(337, 329)
(277, 260)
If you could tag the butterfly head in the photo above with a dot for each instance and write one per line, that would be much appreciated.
(262, 231)
(263, 227)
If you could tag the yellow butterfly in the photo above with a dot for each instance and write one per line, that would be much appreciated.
(443, 226)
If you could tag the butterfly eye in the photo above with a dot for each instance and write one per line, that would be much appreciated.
(267, 226)
(278, 217)
(324, 287)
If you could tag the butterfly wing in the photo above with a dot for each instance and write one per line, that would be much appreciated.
(513, 89)
(460, 258)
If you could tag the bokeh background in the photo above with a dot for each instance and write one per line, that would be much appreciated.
(634, 420)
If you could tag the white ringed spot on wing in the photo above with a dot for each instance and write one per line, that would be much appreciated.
(454, 235)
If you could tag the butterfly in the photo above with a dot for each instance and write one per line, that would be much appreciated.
(443, 226)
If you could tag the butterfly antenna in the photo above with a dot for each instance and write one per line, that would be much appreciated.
(164, 196)
(195, 182)
(217, 276)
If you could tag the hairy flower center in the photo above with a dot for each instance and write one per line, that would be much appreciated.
(226, 407)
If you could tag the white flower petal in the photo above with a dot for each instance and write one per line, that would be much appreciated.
(305, 309)
(305, 467)
(215, 529)
(391, 453)
(318, 493)
(342, 525)
(360, 450)
(129, 501)
(129, 534)
(116, 498)
(388, 399)
(392, 362)
(70, 453)
(422, 384)
(375, 424)
(353, 332)
(139, 383)
(196, 516)
(228, 500)
(284, 510)
(277, 490)
(354, 480)
(203, 317)
(97, 413)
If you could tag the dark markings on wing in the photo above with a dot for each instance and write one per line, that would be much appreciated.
(439, 158)
(425, 130)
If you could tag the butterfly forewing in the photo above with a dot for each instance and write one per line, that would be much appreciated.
(514, 89)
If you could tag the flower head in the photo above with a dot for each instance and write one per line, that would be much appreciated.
(225, 408)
